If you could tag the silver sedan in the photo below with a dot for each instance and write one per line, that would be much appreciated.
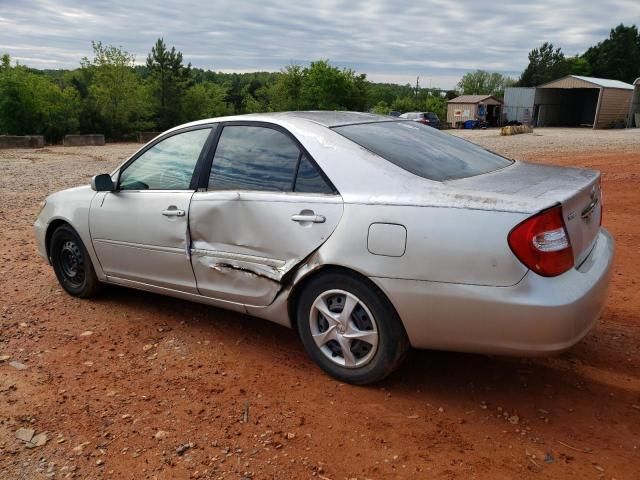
(367, 234)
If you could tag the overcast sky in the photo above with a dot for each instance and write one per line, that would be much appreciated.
(393, 40)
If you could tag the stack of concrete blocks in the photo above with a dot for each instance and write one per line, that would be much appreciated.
(26, 141)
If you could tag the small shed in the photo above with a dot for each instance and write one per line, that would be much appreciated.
(577, 101)
(634, 111)
(474, 107)
(518, 104)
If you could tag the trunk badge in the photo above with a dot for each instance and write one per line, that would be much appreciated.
(587, 212)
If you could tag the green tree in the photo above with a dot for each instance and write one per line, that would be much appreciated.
(404, 104)
(118, 94)
(381, 108)
(170, 80)
(617, 57)
(388, 92)
(546, 63)
(324, 87)
(578, 65)
(32, 104)
(482, 82)
(321, 86)
(205, 100)
(436, 104)
(285, 93)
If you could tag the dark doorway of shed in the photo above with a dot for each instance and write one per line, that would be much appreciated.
(493, 115)
(566, 107)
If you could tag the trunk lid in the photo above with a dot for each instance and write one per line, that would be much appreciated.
(533, 187)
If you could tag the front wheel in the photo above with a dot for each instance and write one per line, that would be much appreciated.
(350, 329)
(72, 264)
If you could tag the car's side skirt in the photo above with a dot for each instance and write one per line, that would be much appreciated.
(276, 312)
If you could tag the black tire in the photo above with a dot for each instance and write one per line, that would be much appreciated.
(72, 263)
(392, 343)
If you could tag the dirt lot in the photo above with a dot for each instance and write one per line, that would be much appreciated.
(134, 385)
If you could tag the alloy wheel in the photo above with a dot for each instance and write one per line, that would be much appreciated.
(343, 328)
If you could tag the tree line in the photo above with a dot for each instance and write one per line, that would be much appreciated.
(615, 58)
(109, 93)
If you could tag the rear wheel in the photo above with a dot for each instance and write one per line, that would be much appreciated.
(350, 329)
(72, 264)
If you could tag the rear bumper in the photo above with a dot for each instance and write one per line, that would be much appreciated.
(535, 317)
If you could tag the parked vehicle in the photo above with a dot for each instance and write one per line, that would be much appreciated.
(367, 234)
(426, 118)
(393, 113)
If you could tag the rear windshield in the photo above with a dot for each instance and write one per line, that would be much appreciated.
(423, 150)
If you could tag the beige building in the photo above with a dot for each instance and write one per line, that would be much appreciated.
(576, 101)
(474, 107)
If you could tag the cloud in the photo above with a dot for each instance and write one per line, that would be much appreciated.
(390, 40)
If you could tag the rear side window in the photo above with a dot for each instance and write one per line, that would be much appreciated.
(309, 179)
(254, 158)
(263, 159)
(423, 150)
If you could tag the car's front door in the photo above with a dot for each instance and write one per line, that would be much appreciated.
(140, 231)
(266, 207)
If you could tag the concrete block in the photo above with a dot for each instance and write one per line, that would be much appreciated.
(83, 140)
(144, 137)
(25, 141)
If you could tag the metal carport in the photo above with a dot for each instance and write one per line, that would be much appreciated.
(577, 101)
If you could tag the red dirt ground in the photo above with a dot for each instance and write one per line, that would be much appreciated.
(154, 364)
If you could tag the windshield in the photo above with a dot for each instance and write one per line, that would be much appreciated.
(423, 150)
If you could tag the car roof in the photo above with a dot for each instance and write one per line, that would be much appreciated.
(320, 117)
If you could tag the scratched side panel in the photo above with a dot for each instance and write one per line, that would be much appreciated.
(243, 243)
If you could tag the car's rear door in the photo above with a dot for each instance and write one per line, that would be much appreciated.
(266, 207)
(140, 231)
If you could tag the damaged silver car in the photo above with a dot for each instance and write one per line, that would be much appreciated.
(367, 234)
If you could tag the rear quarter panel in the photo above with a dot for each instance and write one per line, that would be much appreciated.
(442, 244)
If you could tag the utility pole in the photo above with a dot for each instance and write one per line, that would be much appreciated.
(417, 90)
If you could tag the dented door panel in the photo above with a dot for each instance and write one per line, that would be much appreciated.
(243, 243)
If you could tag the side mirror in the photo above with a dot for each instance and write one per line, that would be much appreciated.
(102, 183)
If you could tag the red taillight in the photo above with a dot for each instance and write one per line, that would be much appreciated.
(542, 244)
(423, 121)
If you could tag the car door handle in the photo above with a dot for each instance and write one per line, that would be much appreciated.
(303, 218)
(173, 211)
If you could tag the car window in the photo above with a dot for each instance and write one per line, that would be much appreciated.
(423, 150)
(254, 158)
(168, 165)
(309, 179)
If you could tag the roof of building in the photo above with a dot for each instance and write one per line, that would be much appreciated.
(598, 82)
(473, 99)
